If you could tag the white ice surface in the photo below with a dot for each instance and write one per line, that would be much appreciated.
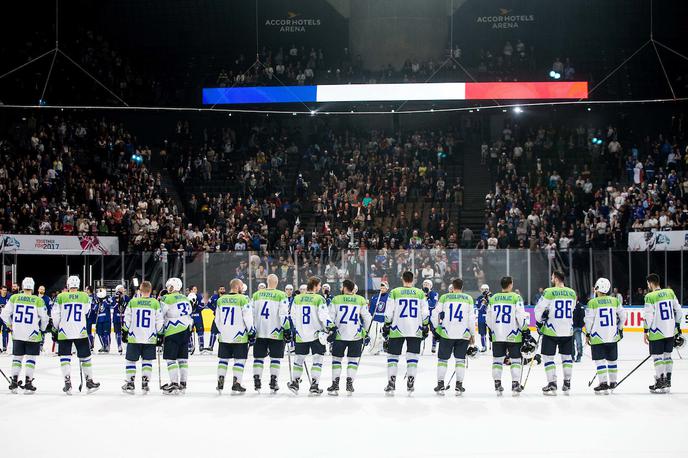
(108, 423)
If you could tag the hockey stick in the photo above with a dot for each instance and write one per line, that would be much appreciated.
(3, 374)
(157, 353)
(634, 369)
(530, 366)
(592, 380)
(81, 376)
(291, 376)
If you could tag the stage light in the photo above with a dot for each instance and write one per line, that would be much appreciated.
(518, 110)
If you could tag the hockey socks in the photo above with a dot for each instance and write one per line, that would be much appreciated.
(238, 369)
(392, 366)
(497, 363)
(183, 370)
(316, 370)
(222, 365)
(130, 371)
(336, 367)
(411, 364)
(441, 369)
(173, 370)
(460, 366)
(550, 368)
(86, 366)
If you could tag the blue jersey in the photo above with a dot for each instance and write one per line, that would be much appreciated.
(102, 309)
(377, 307)
(118, 305)
(196, 309)
(212, 302)
(433, 297)
(481, 303)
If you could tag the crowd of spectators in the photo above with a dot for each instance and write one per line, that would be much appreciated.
(567, 188)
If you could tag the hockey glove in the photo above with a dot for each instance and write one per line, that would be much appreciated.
(286, 332)
(366, 340)
(620, 334)
(125, 336)
(159, 340)
(386, 330)
(332, 334)
(526, 335)
(426, 330)
(252, 337)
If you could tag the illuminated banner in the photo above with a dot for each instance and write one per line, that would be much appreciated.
(58, 244)
(658, 241)
(396, 92)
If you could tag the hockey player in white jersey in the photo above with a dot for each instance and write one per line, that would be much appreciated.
(143, 322)
(270, 317)
(604, 321)
(507, 322)
(406, 320)
(27, 317)
(662, 320)
(352, 320)
(310, 318)
(176, 310)
(453, 324)
(234, 321)
(554, 318)
(69, 329)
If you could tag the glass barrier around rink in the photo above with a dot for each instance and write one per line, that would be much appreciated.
(530, 270)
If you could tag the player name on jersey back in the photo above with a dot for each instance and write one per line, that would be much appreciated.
(233, 318)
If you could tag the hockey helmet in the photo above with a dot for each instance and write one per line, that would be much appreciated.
(603, 285)
(73, 281)
(173, 285)
(193, 299)
(28, 283)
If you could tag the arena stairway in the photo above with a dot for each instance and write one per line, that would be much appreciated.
(477, 183)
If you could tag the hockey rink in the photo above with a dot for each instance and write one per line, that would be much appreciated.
(108, 423)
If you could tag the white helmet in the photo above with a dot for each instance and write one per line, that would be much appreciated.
(303, 288)
(101, 293)
(244, 287)
(451, 288)
(484, 287)
(326, 286)
(427, 283)
(289, 287)
(603, 285)
(28, 283)
(355, 288)
(262, 285)
(119, 288)
(173, 284)
(73, 281)
(193, 299)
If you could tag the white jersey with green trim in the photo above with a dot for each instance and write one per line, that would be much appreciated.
(506, 317)
(351, 316)
(407, 311)
(69, 315)
(270, 313)
(309, 316)
(26, 316)
(233, 318)
(558, 303)
(604, 318)
(662, 314)
(457, 316)
(176, 309)
(143, 320)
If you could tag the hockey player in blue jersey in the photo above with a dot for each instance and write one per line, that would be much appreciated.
(196, 300)
(289, 291)
(376, 307)
(103, 307)
(432, 297)
(212, 305)
(4, 297)
(92, 314)
(119, 304)
(481, 303)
